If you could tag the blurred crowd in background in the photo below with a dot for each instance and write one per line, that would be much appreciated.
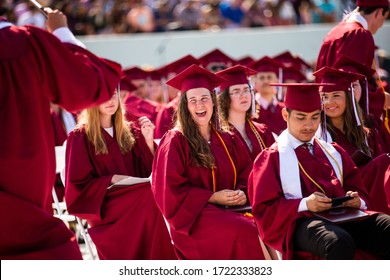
(89, 17)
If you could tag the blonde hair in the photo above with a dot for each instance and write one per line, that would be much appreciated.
(90, 119)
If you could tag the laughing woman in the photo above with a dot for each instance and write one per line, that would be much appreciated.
(237, 107)
(198, 170)
(102, 150)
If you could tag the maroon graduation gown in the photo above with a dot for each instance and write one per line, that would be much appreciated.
(165, 118)
(272, 117)
(201, 230)
(36, 69)
(125, 221)
(265, 134)
(351, 39)
(136, 107)
(274, 214)
(373, 172)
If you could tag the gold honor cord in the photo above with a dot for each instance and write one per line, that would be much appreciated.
(310, 178)
(230, 159)
(258, 136)
(386, 119)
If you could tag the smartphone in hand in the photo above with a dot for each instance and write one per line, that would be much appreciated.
(337, 201)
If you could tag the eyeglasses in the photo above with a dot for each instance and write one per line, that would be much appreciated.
(238, 92)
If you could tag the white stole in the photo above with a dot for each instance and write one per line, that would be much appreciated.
(4, 24)
(289, 168)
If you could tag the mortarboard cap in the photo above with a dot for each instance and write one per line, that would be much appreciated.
(266, 64)
(286, 58)
(126, 84)
(372, 3)
(178, 65)
(216, 60)
(244, 60)
(302, 97)
(347, 63)
(135, 73)
(293, 73)
(235, 75)
(154, 75)
(339, 79)
(195, 77)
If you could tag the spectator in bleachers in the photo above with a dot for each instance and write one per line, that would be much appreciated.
(140, 17)
(211, 17)
(187, 14)
(233, 13)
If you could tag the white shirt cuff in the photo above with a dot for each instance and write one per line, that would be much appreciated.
(302, 205)
(66, 36)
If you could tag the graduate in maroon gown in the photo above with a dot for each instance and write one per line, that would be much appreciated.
(198, 173)
(298, 176)
(354, 37)
(236, 106)
(125, 221)
(344, 125)
(36, 68)
(268, 71)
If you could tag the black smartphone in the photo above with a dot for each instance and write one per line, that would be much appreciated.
(336, 201)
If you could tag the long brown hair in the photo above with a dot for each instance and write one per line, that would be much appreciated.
(354, 133)
(224, 101)
(199, 148)
(90, 119)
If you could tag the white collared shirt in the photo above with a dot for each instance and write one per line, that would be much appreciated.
(356, 17)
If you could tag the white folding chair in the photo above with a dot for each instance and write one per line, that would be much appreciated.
(60, 207)
(270, 253)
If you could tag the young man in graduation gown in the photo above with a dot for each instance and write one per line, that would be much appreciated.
(299, 175)
(57, 72)
(354, 37)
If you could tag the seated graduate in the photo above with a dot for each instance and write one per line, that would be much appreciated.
(298, 176)
(102, 150)
(343, 124)
(198, 171)
(236, 107)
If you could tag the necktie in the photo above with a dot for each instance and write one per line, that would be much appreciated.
(308, 146)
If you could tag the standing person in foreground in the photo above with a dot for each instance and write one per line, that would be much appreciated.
(125, 221)
(198, 172)
(354, 37)
(56, 72)
(298, 176)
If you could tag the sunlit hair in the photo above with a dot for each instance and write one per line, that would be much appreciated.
(224, 101)
(90, 119)
(354, 133)
(199, 148)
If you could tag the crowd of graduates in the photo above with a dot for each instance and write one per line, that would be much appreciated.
(240, 155)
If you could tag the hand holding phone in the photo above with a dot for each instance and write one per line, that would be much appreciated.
(337, 201)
